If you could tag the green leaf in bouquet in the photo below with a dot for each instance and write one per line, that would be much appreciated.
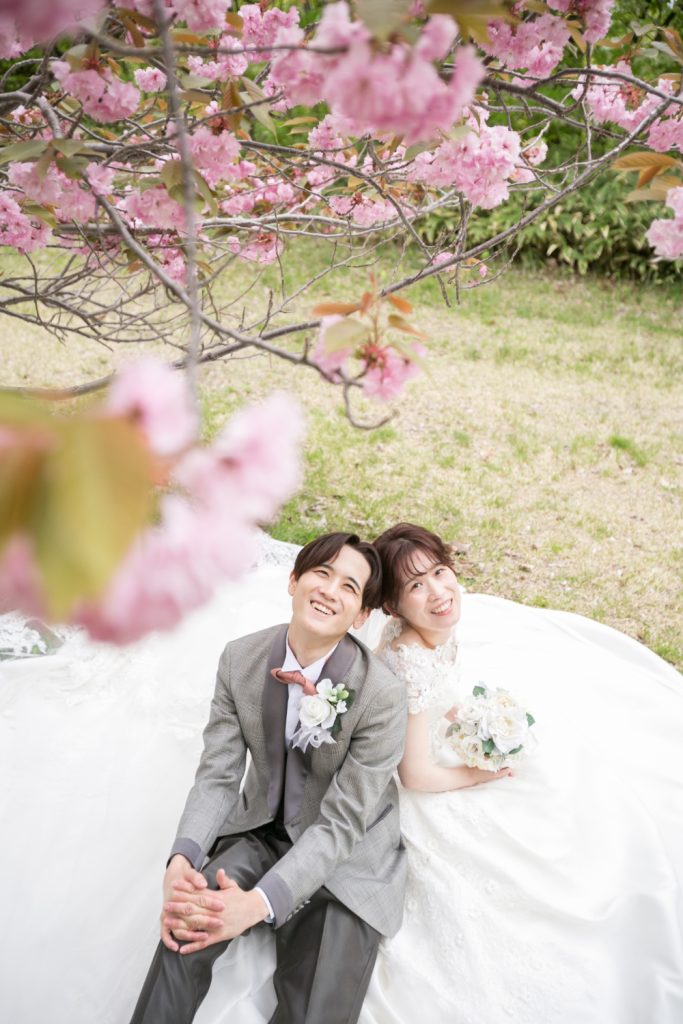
(479, 690)
(530, 719)
(516, 750)
(488, 746)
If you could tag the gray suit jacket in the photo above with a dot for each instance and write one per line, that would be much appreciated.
(341, 801)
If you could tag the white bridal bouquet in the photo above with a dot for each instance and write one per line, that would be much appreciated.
(491, 730)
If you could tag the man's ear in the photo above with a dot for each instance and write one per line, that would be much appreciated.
(361, 617)
(291, 587)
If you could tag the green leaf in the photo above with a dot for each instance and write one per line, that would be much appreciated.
(472, 16)
(530, 719)
(346, 333)
(69, 147)
(488, 746)
(21, 151)
(480, 690)
(74, 169)
(383, 17)
(172, 173)
(205, 192)
(256, 95)
(92, 498)
(516, 749)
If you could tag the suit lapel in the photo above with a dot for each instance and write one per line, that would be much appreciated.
(274, 718)
(335, 668)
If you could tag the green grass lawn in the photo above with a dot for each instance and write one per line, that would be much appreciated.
(545, 438)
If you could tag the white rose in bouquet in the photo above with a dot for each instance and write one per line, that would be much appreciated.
(490, 730)
(506, 726)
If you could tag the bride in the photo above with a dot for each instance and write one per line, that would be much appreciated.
(553, 895)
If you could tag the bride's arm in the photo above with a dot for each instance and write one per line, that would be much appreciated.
(418, 771)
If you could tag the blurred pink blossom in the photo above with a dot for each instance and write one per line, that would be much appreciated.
(157, 398)
(388, 371)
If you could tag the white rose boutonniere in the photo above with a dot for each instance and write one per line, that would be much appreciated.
(320, 714)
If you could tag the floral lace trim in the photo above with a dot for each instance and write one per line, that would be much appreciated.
(427, 672)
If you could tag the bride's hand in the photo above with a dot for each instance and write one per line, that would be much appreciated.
(476, 776)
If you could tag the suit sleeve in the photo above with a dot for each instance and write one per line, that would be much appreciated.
(347, 808)
(216, 786)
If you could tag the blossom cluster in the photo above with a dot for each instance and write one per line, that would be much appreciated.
(666, 234)
(385, 368)
(537, 44)
(491, 730)
(480, 164)
(397, 91)
(204, 533)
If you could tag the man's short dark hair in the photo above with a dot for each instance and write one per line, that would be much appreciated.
(324, 549)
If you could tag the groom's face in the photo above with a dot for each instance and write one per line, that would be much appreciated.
(327, 599)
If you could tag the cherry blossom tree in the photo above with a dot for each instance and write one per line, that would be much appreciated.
(152, 145)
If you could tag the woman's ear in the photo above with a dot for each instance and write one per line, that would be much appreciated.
(390, 611)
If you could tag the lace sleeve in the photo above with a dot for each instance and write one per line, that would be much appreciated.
(427, 673)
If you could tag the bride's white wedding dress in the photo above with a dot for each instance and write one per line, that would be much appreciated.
(553, 897)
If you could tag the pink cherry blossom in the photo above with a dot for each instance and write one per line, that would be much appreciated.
(436, 38)
(100, 178)
(252, 464)
(665, 234)
(596, 15)
(213, 152)
(150, 79)
(225, 65)
(610, 99)
(665, 134)
(202, 15)
(480, 165)
(158, 399)
(19, 231)
(260, 27)
(20, 583)
(387, 371)
(537, 44)
(265, 247)
(103, 96)
(169, 571)
(154, 208)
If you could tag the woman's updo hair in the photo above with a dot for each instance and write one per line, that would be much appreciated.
(397, 549)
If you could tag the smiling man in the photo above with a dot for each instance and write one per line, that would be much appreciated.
(310, 843)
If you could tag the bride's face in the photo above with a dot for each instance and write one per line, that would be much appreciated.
(430, 598)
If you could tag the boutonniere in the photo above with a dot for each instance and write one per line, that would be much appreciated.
(320, 714)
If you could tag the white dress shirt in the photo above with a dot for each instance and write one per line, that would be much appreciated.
(296, 692)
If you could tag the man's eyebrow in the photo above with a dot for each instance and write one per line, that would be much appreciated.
(326, 565)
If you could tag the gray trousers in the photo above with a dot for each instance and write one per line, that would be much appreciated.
(325, 953)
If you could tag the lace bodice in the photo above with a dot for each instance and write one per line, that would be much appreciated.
(430, 674)
(432, 678)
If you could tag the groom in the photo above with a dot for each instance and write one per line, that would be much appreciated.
(310, 844)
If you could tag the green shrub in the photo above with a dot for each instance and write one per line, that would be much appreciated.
(593, 229)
